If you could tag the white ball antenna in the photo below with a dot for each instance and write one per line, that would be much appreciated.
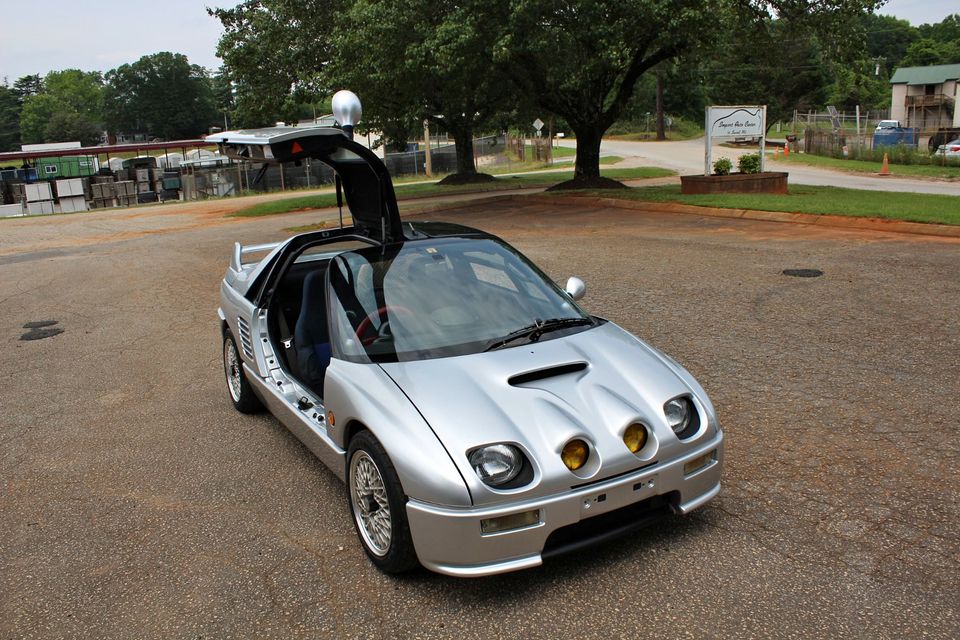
(347, 110)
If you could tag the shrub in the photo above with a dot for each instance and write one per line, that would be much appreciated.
(722, 167)
(749, 163)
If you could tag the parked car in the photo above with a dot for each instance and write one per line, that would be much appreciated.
(887, 124)
(482, 420)
(950, 150)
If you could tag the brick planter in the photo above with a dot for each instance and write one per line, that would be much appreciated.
(766, 182)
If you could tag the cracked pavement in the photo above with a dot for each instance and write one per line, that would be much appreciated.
(134, 502)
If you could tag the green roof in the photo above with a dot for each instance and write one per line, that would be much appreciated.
(937, 74)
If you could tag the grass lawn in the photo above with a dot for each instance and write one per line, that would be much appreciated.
(864, 166)
(913, 207)
(426, 189)
(518, 167)
(643, 129)
(558, 152)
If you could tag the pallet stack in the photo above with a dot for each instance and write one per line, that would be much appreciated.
(38, 198)
(126, 192)
(104, 193)
(71, 195)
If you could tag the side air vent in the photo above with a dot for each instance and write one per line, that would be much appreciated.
(549, 372)
(245, 343)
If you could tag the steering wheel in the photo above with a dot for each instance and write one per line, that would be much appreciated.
(367, 322)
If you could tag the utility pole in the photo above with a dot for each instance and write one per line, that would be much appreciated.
(428, 166)
(550, 146)
(661, 134)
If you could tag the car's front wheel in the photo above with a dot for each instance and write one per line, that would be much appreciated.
(241, 394)
(378, 505)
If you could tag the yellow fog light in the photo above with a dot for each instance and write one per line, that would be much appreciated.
(635, 437)
(575, 454)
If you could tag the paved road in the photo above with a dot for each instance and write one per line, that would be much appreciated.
(686, 157)
(134, 502)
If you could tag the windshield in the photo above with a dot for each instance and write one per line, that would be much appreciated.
(442, 297)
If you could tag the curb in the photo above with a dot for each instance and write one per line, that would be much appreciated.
(820, 220)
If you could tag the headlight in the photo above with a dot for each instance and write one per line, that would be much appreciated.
(682, 417)
(496, 464)
(679, 413)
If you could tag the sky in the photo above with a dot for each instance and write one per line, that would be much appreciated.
(99, 35)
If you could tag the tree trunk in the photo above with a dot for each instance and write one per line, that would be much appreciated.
(463, 139)
(661, 134)
(588, 152)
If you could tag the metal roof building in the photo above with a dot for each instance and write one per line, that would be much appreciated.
(926, 97)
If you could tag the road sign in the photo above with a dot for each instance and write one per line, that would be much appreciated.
(538, 124)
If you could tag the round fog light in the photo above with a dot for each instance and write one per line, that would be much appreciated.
(575, 454)
(635, 437)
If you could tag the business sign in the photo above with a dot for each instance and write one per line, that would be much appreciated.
(736, 122)
(741, 121)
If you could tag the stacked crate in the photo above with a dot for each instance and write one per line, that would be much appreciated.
(104, 192)
(71, 195)
(170, 185)
(146, 185)
(126, 192)
(38, 197)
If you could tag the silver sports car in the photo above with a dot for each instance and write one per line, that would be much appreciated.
(481, 419)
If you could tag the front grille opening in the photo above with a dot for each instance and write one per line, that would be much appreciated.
(609, 526)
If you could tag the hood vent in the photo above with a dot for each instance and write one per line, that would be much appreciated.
(549, 372)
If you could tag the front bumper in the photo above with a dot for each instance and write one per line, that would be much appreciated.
(449, 540)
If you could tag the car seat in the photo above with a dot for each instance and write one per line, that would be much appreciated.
(311, 335)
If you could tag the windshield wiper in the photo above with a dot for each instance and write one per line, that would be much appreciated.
(537, 329)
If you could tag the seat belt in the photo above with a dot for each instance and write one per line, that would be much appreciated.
(289, 349)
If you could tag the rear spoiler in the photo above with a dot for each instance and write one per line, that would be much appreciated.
(236, 262)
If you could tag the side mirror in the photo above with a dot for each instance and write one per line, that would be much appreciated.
(575, 288)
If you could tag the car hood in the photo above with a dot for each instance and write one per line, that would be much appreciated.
(539, 396)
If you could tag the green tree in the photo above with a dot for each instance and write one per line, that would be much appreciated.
(887, 39)
(792, 73)
(224, 99)
(856, 85)
(947, 30)
(424, 59)
(34, 115)
(162, 95)
(70, 125)
(77, 91)
(926, 52)
(71, 96)
(9, 119)
(27, 86)
(272, 51)
(582, 60)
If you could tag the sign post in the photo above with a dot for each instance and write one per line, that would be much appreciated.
(725, 122)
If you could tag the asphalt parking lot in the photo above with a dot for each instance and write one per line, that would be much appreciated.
(136, 503)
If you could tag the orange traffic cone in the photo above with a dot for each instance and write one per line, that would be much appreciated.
(885, 169)
(786, 150)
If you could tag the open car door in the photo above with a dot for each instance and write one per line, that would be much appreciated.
(366, 182)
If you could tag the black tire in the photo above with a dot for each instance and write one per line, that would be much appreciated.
(238, 389)
(389, 544)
